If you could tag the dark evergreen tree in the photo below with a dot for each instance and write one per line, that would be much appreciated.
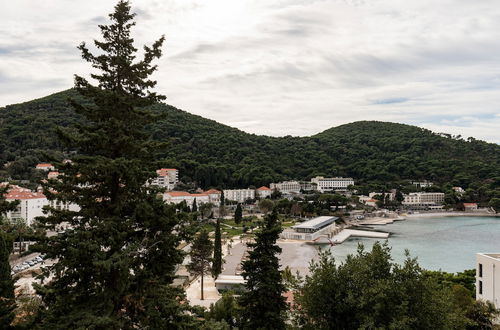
(263, 304)
(222, 199)
(201, 251)
(238, 214)
(117, 260)
(7, 298)
(194, 208)
(217, 263)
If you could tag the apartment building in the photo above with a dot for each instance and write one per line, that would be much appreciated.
(167, 178)
(239, 195)
(30, 204)
(488, 277)
(331, 184)
(176, 197)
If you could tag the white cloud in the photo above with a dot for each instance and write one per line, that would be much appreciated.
(281, 67)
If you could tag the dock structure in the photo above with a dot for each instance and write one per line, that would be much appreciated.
(346, 233)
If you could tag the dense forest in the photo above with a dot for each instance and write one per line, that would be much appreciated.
(211, 154)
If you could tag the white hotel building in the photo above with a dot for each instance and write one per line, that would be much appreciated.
(239, 195)
(331, 184)
(488, 277)
(423, 199)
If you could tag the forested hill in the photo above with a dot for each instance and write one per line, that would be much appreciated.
(213, 154)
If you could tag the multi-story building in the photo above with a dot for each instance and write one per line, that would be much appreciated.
(331, 184)
(287, 187)
(263, 192)
(167, 178)
(423, 199)
(239, 195)
(30, 204)
(488, 277)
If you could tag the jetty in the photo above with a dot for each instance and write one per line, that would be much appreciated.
(346, 233)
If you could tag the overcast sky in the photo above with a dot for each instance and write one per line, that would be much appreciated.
(283, 67)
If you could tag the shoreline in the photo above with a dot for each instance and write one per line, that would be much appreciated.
(452, 214)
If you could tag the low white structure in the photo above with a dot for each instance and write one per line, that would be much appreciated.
(263, 192)
(214, 196)
(30, 204)
(239, 195)
(45, 167)
(311, 229)
(167, 178)
(422, 184)
(230, 282)
(176, 197)
(331, 184)
(488, 277)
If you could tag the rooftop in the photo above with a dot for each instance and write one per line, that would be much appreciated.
(316, 222)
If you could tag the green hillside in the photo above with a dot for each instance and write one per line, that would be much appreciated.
(213, 154)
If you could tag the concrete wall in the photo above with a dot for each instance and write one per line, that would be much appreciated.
(490, 279)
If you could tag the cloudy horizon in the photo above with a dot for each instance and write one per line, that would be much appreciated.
(282, 67)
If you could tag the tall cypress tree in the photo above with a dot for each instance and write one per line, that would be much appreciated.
(7, 298)
(116, 262)
(238, 214)
(217, 263)
(263, 304)
(7, 301)
(194, 208)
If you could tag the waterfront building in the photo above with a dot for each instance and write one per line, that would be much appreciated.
(332, 184)
(239, 195)
(30, 204)
(423, 200)
(167, 178)
(311, 229)
(488, 277)
(263, 192)
(470, 206)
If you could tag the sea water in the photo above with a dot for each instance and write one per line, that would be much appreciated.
(441, 243)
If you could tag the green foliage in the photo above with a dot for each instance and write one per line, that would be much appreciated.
(217, 260)
(263, 304)
(467, 279)
(7, 301)
(238, 214)
(495, 204)
(266, 205)
(225, 309)
(201, 251)
(117, 260)
(215, 155)
(369, 291)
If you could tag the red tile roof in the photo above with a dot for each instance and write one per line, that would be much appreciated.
(22, 194)
(470, 204)
(43, 165)
(212, 191)
(164, 171)
(263, 188)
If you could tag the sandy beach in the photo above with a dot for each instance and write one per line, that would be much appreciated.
(451, 214)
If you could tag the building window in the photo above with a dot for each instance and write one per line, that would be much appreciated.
(480, 270)
(480, 287)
